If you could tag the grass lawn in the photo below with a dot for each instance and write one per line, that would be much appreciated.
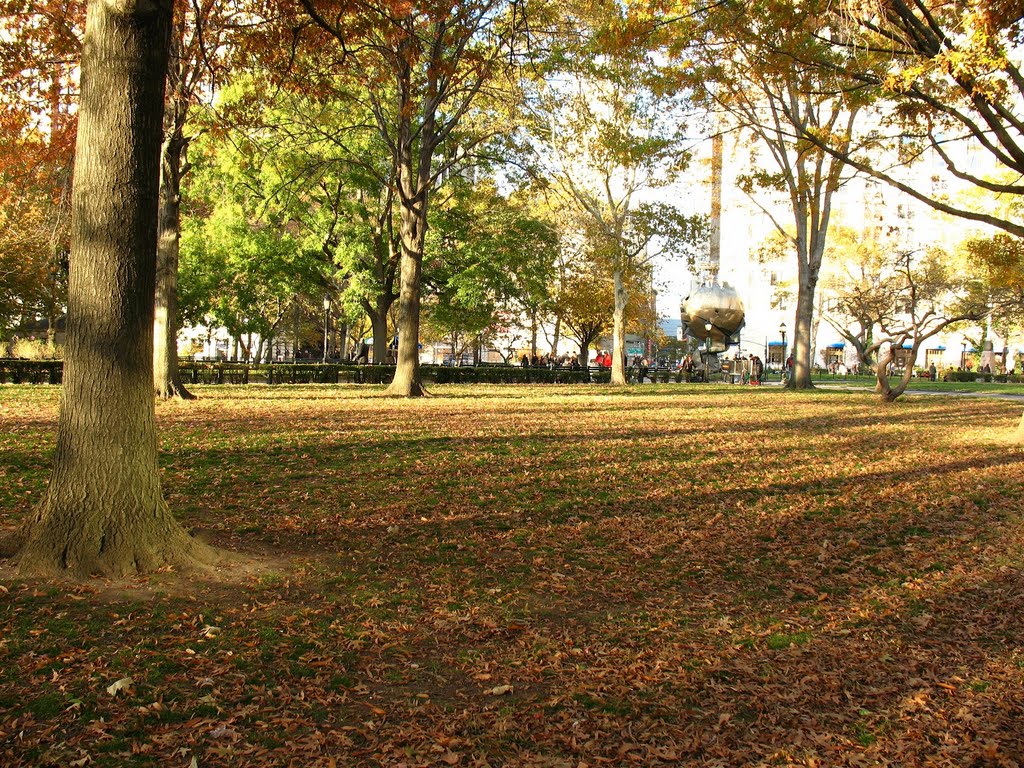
(540, 576)
(924, 385)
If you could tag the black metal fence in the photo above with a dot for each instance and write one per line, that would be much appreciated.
(17, 371)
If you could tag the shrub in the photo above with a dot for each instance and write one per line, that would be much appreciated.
(510, 375)
(35, 349)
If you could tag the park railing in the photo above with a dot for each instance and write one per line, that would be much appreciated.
(17, 371)
(342, 373)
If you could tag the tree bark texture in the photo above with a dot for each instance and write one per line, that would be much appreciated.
(807, 280)
(883, 387)
(619, 330)
(166, 378)
(385, 267)
(812, 213)
(414, 191)
(407, 381)
(104, 512)
(378, 315)
(533, 334)
(557, 336)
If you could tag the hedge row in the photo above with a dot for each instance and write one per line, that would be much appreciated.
(333, 373)
(285, 373)
(1014, 378)
(18, 371)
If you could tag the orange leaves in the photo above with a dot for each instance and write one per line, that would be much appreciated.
(540, 577)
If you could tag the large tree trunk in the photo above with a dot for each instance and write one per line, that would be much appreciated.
(619, 330)
(51, 326)
(908, 373)
(379, 322)
(295, 329)
(104, 512)
(882, 386)
(407, 382)
(810, 245)
(166, 379)
(533, 335)
(800, 377)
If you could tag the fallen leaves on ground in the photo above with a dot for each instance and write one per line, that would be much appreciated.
(540, 577)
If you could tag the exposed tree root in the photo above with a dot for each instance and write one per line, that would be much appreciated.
(406, 389)
(119, 555)
(11, 544)
(171, 390)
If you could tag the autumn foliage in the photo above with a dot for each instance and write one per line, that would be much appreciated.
(540, 577)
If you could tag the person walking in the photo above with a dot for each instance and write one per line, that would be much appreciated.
(757, 370)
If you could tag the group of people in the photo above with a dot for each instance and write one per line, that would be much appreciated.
(603, 360)
(751, 368)
(755, 375)
(550, 361)
(839, 368)
(641, 367)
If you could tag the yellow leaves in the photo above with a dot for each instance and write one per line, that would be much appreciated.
(903, 80)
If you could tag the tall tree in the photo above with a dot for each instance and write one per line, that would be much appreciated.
(104, 512)
(861, 288)
(949, 77)
(1000, 259)
(33, 246)
(749, 65)
(585, 306)
(488, 256)
(307, 166)
(245, 272)
(423, 67)
(608, 139)
(197, 34)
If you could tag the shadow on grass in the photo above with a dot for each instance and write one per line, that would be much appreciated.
(787, 588)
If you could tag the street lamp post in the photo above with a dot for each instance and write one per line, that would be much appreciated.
(327, 324)
(782, 334)
(963, 355)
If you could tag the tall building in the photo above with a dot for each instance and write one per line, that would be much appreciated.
(753, 257)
